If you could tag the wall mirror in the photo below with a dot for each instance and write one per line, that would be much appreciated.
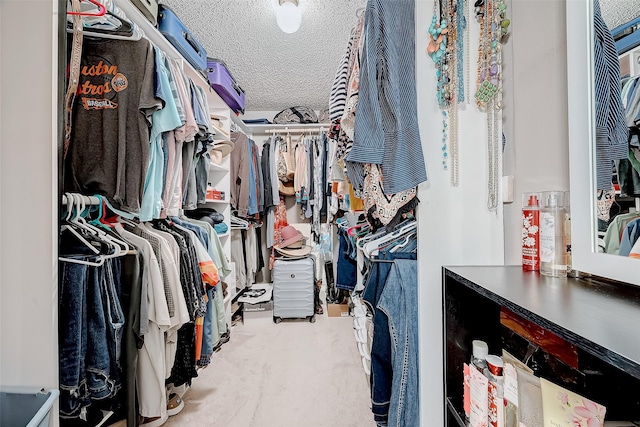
(603, 138)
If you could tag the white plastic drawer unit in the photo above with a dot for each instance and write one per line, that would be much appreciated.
(293, 289)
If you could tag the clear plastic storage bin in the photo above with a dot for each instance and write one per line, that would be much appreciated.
(25, 407)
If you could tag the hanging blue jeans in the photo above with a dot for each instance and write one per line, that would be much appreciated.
(399, 301)
(90, 335)
(347, 276)
(381, 366)
(72, 339)
(114, 319)
(98, 359)
(209, 329)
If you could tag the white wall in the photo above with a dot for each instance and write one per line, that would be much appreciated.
(536, 124)
(28, 189)
(455, 227)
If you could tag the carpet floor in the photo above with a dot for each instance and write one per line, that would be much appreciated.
(292, 374)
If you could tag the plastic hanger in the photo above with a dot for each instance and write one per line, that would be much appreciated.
(113, 24)
(100, 260)
(363, 240)
(101, 10)
(351, 231)
(371, 248)
(70, 207)
(99, 221)
(119, 247)
(407, 238)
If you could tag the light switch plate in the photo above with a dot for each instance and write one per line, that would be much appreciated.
(507, 189)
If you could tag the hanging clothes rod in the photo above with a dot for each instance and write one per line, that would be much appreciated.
(287, 130)
(88, 200)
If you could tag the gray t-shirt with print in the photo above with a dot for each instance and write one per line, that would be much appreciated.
(109, 150)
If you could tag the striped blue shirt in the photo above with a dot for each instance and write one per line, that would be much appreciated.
(386, 124)
(612, 133)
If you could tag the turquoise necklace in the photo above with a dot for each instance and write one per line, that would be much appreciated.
(446, 49)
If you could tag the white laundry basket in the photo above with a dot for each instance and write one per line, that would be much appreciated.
(20, 407)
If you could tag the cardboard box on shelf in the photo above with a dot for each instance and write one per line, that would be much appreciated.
(338, 310)
(213, 194)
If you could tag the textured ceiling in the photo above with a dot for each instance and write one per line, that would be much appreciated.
(275, 69)
(618, 12)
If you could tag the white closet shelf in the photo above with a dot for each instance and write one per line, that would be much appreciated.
(240, 124)
(161, 42)
(214, 167)
(291, 126)
(218, 202)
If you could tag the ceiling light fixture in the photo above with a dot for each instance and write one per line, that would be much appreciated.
(288, 16)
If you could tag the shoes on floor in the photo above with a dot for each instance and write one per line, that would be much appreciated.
(180, 390)
(224, 338)
(153, 422)
(175, 404)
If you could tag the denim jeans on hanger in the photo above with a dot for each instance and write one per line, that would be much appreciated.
(98, 360)
(347, 276)
(210, 333)
(72, 339)
(115, 319)
(399, 301)
(202, 175)
(381, 366)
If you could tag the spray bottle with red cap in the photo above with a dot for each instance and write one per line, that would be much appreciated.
(530, 232)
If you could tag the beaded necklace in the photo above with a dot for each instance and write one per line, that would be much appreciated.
(491, 15)
(446, 49)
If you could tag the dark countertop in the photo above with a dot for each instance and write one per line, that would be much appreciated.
(599, 317)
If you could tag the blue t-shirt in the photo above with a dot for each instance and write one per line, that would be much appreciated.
(163, 120)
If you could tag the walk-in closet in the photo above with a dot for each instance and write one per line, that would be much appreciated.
(279, 213)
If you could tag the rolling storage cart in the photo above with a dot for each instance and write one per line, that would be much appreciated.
(293, 289)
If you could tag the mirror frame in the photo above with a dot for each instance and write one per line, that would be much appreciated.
(581, 122)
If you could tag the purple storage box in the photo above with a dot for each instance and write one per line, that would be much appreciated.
(225, 85)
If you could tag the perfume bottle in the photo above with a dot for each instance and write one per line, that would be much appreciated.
(552, 234)
(531, 232)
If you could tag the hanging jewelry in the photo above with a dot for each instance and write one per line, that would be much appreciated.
(437, 50)
(455, 168)
(461, 34)
(467, 62)
(447, 49)
(491, 15)
(437, 35)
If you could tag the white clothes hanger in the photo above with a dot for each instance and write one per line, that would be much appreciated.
(113, 20)
(405, 242)
(70, 206)
(100, 260)
(119, 247)
(371, 248)
(124, 246)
